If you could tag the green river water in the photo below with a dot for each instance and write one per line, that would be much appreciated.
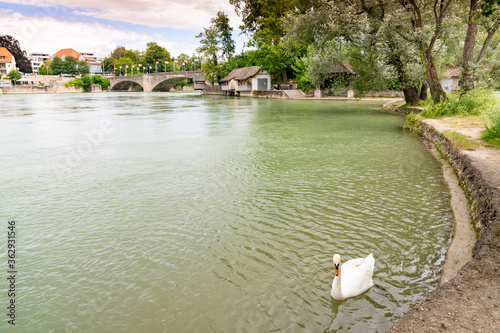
(174, 212)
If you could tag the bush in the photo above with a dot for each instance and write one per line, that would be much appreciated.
(184, 83)
(413, 124)
(86, 81)
(474, 103)
(97, 79)
(304, 84)
(14, 75)
(478, 102)
(492, 132)
(74, 83)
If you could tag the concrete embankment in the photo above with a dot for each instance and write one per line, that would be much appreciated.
(469, 301)
(42, 84)
(29, 89)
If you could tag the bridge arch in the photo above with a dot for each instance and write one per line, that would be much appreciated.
(168, 84)
(151, 82)
(127, 86)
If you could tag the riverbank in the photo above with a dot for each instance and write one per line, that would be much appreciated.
(469, 301)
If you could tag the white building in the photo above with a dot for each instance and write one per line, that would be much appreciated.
(38, 59)
(90, 55)
(94, 65)
(247, 79)
(7, 61)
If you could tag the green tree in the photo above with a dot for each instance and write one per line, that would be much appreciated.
(134, 55)
(70, 65)
(124, 65)
(210, 42)
(14, 75)
(422, 24)
(118, 53)
(489, 7)
(221, 24)
(46, 68)
(108, 64)
(156, 55)
(86, 82)
(22, 60)
(66, 66)
(183, 62)
(83, 68)
(263, 18)
(57, 66)
(109, 61)
(475, 21)
(336, 32)
(97, 79)
(273, 59)
(245, 59)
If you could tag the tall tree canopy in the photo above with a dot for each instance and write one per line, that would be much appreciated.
(109, 63)
(156, 53)
(335, 33)
(262, 18)
(221, 24)
(12, 44)
(216, 45)
(210, 49)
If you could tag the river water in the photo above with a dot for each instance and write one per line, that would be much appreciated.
(173, 212)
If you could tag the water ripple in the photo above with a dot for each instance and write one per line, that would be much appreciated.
(202, 214)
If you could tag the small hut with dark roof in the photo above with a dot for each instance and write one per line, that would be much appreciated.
(247, 79)
(450, 79)
(344, 67)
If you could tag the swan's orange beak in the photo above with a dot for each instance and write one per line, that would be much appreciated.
(336, 268)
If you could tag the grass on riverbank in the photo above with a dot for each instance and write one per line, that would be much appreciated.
(458, 140)
(478, 102)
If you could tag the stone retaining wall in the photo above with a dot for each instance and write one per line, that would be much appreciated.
(470, 302)
(32, 89)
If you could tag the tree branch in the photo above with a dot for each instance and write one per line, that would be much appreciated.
(491, 32)
(371, 12)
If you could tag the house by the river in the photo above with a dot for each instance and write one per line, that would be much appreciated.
(247, 81)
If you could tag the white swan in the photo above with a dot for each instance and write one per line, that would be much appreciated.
(353, 278)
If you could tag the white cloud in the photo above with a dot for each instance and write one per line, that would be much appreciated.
(177, 14)
(47, 34)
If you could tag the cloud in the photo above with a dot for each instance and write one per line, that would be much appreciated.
(48, 34)
(179, 14)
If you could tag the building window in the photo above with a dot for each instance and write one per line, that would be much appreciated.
(2, 57)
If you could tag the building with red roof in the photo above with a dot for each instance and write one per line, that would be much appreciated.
(7, 61)
(62, 54)
(95, 66)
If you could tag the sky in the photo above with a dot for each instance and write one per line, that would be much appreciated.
(99, 26)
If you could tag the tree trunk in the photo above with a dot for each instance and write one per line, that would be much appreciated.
(491, 32)
(411, 95)
(409, 90)
(423, 92)
(466, 81)
(437, 92)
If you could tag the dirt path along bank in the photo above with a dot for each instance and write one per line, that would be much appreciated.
(469, 301)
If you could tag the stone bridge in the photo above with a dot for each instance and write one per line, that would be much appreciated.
(154, 81)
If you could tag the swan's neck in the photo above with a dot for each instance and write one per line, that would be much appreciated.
(336, 282)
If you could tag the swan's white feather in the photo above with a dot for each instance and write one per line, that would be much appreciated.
(355, 278)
